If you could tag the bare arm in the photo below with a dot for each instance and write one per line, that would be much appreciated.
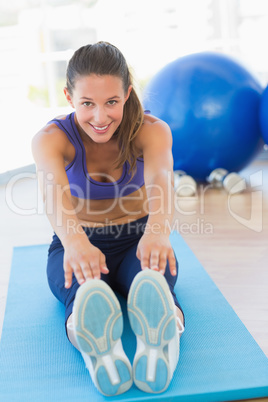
(154, 249)
(80, 257)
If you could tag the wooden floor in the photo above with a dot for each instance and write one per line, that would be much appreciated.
(228, 234)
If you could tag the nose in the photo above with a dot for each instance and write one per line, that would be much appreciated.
(100, 116)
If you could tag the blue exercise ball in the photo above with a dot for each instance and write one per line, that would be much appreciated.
(264, 115)
(211, 104)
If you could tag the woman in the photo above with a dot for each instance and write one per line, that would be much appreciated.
(107, 185)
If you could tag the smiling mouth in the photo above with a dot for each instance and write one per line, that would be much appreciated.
(100, 129)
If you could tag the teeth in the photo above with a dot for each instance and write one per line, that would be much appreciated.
(101, 128)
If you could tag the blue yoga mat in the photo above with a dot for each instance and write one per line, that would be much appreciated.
(219, 360)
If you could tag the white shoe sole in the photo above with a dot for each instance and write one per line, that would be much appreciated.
(152, 317)
(98, 326)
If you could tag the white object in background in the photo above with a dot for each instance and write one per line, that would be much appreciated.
(184, 185)
(231, 182)
(234, 184)
(216, 177)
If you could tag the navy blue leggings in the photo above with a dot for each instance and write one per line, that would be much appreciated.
(119, 245)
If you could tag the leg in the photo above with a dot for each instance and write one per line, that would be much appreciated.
(55, 276)
(94, 325)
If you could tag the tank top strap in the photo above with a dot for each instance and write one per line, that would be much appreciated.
(68, 126)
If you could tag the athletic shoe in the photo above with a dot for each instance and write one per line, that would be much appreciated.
(98, 325)
(153, 319)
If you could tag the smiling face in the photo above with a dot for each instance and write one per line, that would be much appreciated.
(99, 104)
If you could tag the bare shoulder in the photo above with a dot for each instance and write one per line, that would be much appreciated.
(50, 136)
(50, 142)
(154, 132)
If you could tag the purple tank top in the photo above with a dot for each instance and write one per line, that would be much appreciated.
(82, 185)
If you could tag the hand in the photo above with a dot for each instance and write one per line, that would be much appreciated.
(154, 250)
(84, 259)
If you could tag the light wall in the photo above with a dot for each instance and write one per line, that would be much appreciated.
(34, 50)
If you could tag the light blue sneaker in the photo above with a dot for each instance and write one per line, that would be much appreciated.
(153, 319)
(98, 326)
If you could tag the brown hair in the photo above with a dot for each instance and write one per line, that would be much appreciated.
(102, 58)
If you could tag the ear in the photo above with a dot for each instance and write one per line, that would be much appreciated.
(128, 92)
(68, 96)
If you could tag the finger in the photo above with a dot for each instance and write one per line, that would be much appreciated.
(95, 267)
(68, 276)
(154, 260)
(172, 263)
(103, 266)
(144, 258)
(162, 263)
(86, 270)
(104, 270)
(145, 262)
(79, 274)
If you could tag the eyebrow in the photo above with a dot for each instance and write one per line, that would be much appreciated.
(90, 99)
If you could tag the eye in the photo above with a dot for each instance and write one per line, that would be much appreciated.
(112, 102)
(87, 103)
